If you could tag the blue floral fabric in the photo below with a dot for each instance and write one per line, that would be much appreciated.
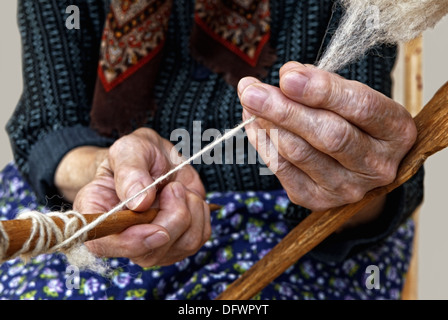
(244, 230)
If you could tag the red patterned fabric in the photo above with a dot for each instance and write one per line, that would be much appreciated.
(241, 26)
(134, 34)
(230, 37)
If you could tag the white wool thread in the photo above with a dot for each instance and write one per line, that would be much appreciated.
(365, 24)
(70, 241)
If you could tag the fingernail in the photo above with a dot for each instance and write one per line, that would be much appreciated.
(244, 83)
(294, 83)
(254, 98)
(135, 203)
(156, 240)
(178, 190)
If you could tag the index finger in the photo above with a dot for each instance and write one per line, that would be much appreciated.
(370, 110)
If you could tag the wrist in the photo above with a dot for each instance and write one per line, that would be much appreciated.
(78, 168)
(368, 214)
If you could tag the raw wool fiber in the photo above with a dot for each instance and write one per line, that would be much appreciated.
(368, 23)
(365, 24)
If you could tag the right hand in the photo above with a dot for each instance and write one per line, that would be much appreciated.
(182, 225)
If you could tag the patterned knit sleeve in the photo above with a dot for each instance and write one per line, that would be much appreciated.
(59, 71)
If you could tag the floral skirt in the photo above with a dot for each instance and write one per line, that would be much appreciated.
(244, 230)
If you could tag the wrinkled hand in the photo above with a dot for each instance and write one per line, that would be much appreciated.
(337, 139)
(182, 225)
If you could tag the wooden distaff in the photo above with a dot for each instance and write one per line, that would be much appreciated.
(19, 230)
(432, 126)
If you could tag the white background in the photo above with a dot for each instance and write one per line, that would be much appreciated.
(433, 223)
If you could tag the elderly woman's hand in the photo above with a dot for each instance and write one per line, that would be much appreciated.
(337, 139)
(182, 225)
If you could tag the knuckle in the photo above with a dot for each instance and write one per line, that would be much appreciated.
(387, 174)
(320, 203)
(144, 132)
(310, 200)
(319, 199)
(284, 170)
(123, 146)
(319, 91)
(337, 137)
(286, 113)
(141, 131)
(117, 148)
(410, 134)
(296, 194)
(357, 194)
(352, 193)
(343, 191)
(382, 171)
(299, 151)
(192, 243)
(404, 134)
(183, 216)
(341, 194)
(368, 103)
(293, 197)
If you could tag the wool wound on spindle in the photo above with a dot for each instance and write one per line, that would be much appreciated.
(367, 23)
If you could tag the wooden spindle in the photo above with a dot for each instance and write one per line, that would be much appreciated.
(19, 230)
(432, 126)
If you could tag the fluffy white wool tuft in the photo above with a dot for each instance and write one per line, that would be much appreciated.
(368, 23)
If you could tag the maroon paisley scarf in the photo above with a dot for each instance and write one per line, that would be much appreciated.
(230, 37)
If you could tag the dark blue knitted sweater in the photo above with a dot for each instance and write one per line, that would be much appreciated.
(59, 72)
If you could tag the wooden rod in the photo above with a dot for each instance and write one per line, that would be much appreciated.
(413, 101)
(413, 75)
(19, 230)
(432, 126)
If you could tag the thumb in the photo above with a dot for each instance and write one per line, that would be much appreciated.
(96, 197)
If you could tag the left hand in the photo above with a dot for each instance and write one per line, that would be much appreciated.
(337, 139)
(182, 224)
